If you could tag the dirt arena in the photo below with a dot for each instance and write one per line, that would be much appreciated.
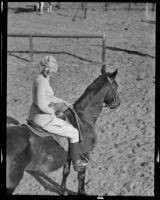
(122, 163)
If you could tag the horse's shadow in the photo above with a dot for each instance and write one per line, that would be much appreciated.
(48, 183)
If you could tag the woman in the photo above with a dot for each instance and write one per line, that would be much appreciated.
(42, 112)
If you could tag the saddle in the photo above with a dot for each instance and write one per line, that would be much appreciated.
(37, 130)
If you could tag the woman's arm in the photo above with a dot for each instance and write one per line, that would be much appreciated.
(57, 100)
(41, 103)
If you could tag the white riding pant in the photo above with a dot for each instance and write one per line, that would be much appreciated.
(53, 124)
(57, 126)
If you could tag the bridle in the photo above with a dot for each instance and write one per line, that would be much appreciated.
(116, 95)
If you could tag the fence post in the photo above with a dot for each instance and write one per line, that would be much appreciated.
(85, 10)
(82, 6)
(147, 11)
(105, 6)
(31, 48)
(153, 6)
(129, 6)
(104, 49)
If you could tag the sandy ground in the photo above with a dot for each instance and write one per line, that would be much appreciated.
(122, 163)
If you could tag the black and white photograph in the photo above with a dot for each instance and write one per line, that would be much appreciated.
(80, 98)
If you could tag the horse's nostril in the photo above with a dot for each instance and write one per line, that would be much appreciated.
(116, 105)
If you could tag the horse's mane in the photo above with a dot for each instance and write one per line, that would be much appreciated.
(90, 90)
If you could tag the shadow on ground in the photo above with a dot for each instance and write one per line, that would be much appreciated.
(127, 51)
(81, 58)
(48, 183)
(50, 52)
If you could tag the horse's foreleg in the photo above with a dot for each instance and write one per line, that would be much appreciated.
(66, 171)
(81, 180)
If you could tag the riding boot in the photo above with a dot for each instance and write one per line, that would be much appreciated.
(78, 163)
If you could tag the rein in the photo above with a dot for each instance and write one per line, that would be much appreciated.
(112, 86)
(92, 115)
(77, 120)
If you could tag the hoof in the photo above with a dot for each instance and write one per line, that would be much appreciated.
(64, 192)
(10, 190)
(82, 193)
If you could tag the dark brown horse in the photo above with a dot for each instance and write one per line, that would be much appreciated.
(29, 152)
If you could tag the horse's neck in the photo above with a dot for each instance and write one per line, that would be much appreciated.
(90, 103)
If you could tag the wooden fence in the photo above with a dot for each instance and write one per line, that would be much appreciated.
(31, 36)
(84, 6)
(103, 5)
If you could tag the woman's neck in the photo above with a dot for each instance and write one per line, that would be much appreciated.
(45, 76)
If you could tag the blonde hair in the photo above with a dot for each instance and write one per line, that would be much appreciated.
(48, 61)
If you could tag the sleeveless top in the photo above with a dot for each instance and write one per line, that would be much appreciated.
(48, 93)
(35, 114)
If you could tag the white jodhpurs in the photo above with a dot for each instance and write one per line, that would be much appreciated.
(62, 128)
(57, 126)
(53, 124)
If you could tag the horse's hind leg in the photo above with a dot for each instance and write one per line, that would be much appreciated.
(66, 171)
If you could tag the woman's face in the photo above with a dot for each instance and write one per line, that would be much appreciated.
(48, 71)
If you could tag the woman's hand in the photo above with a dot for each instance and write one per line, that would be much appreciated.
(56, 100)
(52, 116)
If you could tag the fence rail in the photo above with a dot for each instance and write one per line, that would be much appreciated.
(31, 36)
(104, 5)
(56, 35)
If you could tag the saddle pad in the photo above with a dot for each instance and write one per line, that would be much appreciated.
(62, 141)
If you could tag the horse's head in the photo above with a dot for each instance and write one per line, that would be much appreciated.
(112, 98)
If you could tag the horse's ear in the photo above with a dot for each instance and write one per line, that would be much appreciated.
(113, 75)
(103, 70)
